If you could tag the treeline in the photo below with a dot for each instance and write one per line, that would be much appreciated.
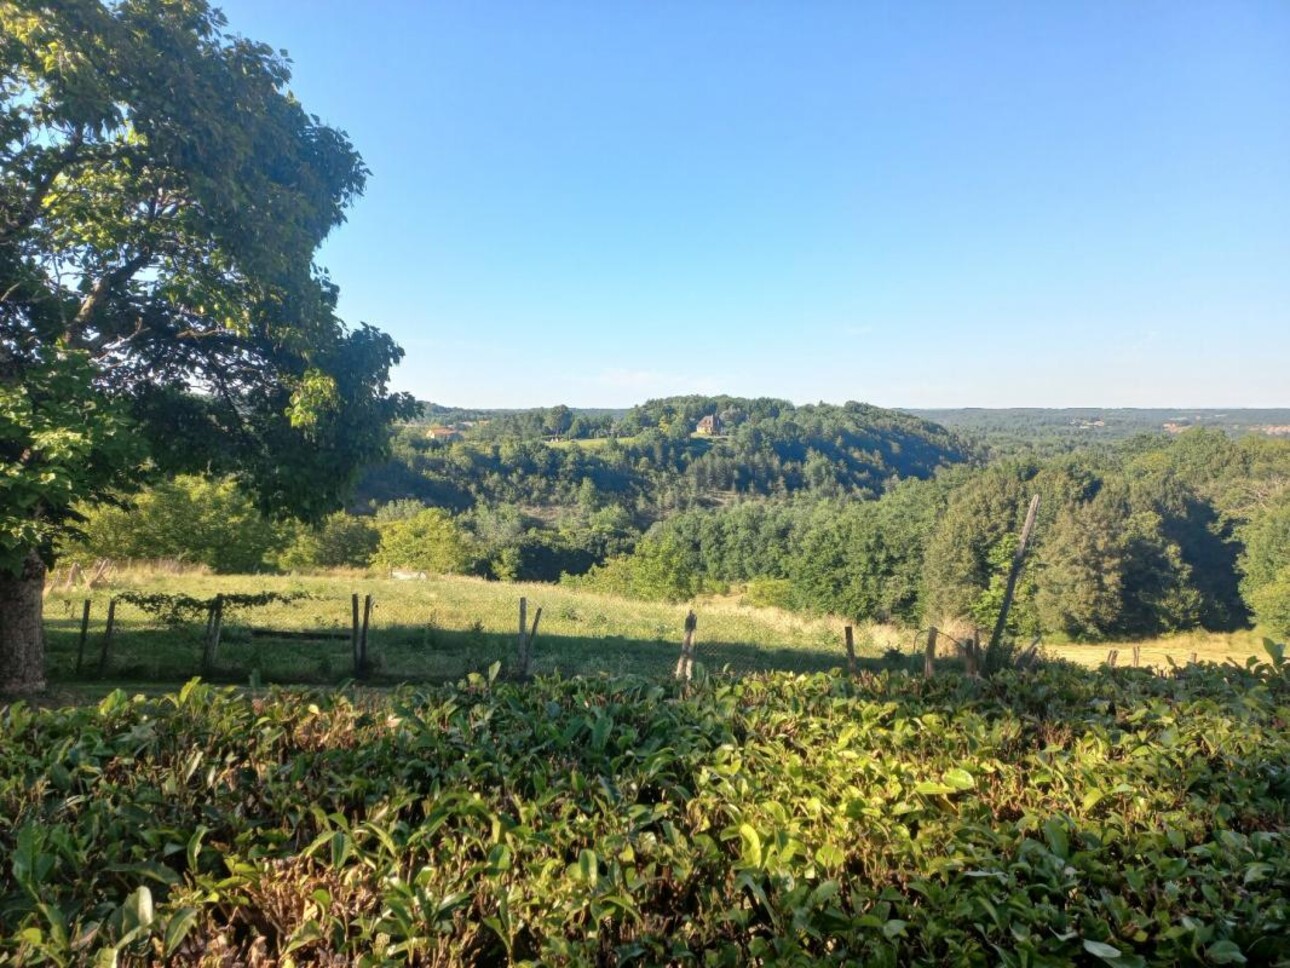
(654, 463)
(524, 507)
(215, 524)
(848, 510)
(1010, 430)
(1156, 536)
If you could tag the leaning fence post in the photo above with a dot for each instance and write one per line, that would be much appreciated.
(526, 654)
(1137, 655)
(685, 664)
(214, 625)
(1018, 557)
(521, 642)
(851, 651)
(362, 635)
(929, 654)
(85, 631)
(107, 637)
(353, 639)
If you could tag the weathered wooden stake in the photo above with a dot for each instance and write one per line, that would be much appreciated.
(521, 641)
(929, 654)
(213, 626)
(353, 641)
(1137, 655)
(971, 655)
(851, 651)
(1193, 658)
(107, 637)
(526, 654)
(685, 664)
(362, 635)
(85, 631)
(1027, 658)
(1018, 557)
(1112, 657)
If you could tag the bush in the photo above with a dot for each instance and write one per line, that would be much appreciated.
(341, 541)
(1271, 603)
(195, 519)
(428, 541)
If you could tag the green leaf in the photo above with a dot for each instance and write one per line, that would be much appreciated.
(1102, 950)
(893, 928)
(933, 789)
(588, 865)
(341, 847)
(178, 927)
(752, 855)
(1276, 651)
(830, 855)
(959, 779)
(1225, 953)
(195, 846)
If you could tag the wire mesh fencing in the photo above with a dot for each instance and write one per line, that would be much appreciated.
(383, 633)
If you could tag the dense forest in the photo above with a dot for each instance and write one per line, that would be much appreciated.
(652, 460)
(852, 510)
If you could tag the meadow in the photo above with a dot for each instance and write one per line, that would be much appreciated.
(435, 629)
(445, 627)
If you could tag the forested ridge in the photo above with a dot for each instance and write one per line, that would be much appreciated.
(851, 510)
(650, 460)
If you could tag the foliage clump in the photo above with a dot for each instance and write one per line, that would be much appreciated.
(1055, 817)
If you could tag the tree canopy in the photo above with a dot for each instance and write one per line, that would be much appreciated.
(162, 195)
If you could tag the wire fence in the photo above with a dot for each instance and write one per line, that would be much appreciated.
(404, 637)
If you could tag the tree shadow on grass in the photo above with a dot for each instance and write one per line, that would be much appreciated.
(406, 654)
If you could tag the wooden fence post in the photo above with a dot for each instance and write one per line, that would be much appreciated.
(1018, 557)
(353, 636)
(1137, 655)
(85, 631)
(521, 641)
(929, 654)
(362, 636)
(214, 625)
(851, 651)
(685, 664)
(971, 656)
(526, 642)
(107, 637)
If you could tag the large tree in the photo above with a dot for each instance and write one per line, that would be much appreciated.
(162, 195)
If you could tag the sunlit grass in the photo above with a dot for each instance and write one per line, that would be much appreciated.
(439, 628)
(447, 626)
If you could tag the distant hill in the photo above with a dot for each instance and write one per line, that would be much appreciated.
(439, 414)
(659, 456)
(1072, 427)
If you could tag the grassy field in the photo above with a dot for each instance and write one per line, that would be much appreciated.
(444, 628)
(1176, 649)
(436, 629)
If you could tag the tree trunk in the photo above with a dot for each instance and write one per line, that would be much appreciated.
(22, 634)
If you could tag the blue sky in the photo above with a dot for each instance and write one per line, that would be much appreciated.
(911, 204)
